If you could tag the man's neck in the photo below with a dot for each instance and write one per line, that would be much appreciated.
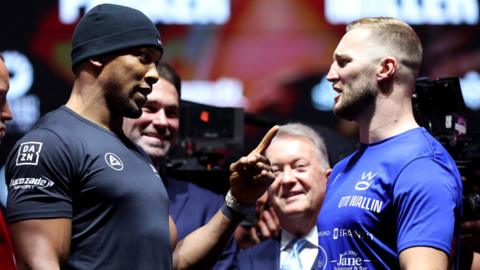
(388, 118)
(91, 105)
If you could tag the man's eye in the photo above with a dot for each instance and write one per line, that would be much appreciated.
(146, 109)
(171, 114)
(342, 62)
(145, 58)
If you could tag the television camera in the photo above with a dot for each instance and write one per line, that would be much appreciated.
(439, 107)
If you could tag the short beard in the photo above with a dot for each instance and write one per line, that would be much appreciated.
(356, 103)
(121, 105)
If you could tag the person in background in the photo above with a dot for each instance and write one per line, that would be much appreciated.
(82, 195)
(6, 250)
(396, 202)
(299, 159)
(156, 132)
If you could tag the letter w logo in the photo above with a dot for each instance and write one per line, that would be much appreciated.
(368, 175)
(366, 181)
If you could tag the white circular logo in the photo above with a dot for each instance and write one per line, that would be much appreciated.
(362, 185)
(21, 72)
(114, 161)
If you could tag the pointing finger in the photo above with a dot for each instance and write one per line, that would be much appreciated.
(262, 146)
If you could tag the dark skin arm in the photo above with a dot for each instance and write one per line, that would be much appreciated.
(41, 243)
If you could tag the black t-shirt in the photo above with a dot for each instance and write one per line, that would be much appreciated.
(68, 167)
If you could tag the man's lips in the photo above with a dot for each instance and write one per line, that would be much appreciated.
(291, 195)
(154, 135)
(339, 92)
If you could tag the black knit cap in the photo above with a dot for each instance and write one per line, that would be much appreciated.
(107, 28)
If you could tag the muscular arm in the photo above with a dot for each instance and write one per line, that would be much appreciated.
(41, 243)
(201, 248)
(423, 258)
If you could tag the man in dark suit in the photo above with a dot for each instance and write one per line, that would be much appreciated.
(299, 160)
(156, 132)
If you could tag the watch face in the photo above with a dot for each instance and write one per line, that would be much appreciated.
(238, 207)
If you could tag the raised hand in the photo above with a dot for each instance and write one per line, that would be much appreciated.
(250, 176)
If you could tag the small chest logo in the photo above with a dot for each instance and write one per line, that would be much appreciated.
(28, 153)
(114, 161)
(367, 178)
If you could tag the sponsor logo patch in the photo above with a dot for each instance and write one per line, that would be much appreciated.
(30, 183)
(114, 161)
(28, 153)
(367, 178)
(350, 260)
(352, 233)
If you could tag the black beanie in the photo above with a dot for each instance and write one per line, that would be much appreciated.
(107, 28)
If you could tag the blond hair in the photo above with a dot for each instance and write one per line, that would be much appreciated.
(397, 38)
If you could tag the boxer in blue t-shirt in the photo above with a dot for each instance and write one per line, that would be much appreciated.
(395, 202)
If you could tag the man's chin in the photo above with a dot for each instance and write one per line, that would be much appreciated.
(155, 152)
(293, 211)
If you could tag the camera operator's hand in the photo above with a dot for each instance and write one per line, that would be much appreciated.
(250, 176)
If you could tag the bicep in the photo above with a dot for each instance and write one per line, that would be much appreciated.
(41, 243)
(423, 258)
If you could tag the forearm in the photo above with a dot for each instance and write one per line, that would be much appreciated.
(202, 248)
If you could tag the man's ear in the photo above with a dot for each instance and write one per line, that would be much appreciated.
(328, 172)
(388, 67)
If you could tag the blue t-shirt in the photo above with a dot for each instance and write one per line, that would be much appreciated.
(68, 167)
(402, 192)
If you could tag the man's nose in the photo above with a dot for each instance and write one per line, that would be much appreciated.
(332, 75)
(160, 119)
(288, 176)
(151, 77)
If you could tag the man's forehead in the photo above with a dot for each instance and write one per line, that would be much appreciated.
(153, 51)
(164, 95)
(356, 41)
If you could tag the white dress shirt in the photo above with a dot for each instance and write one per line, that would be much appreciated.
(307, 254)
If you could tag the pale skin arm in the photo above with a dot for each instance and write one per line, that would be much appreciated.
(423, 258)
(249, 178)
(41, 243)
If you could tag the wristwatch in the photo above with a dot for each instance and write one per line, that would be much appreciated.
(235, 205)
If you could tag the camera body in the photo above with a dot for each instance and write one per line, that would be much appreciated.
(439, 106)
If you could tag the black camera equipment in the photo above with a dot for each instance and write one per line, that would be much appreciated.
(439, 107)
(207, 135)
